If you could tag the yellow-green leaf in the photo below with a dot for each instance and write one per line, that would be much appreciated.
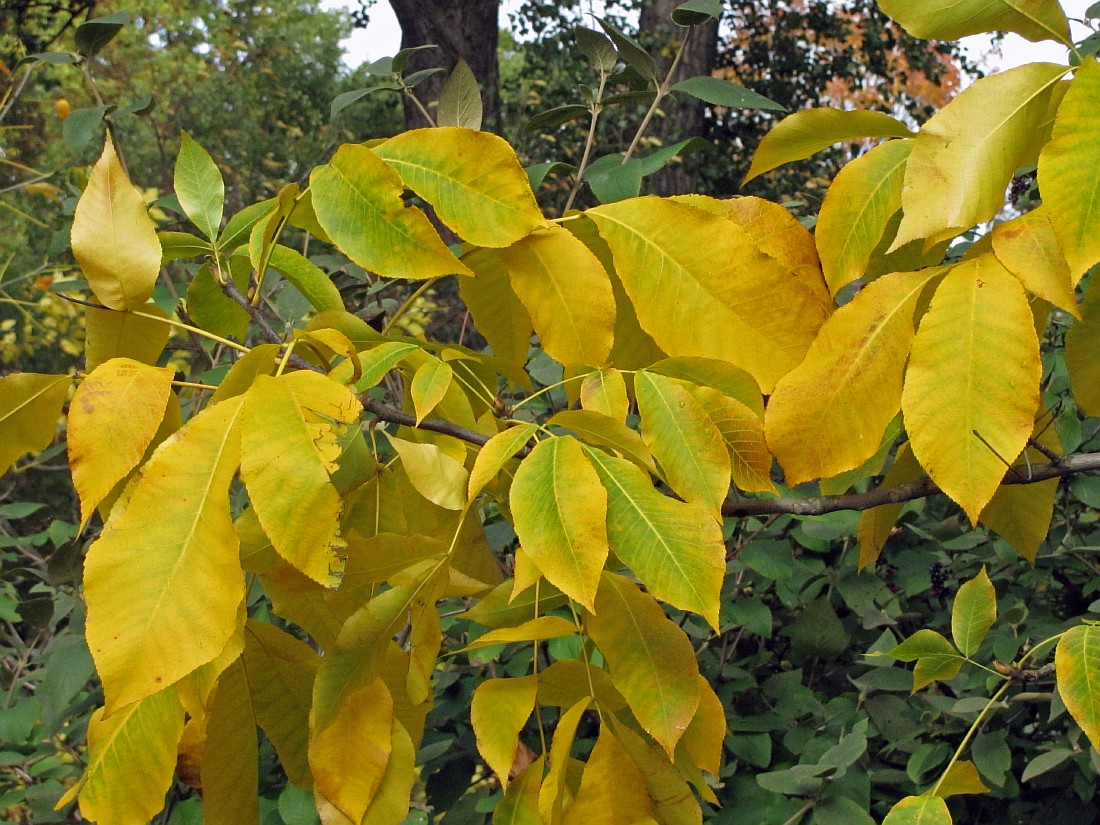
(973, 613)
(559, 509)
(113, 417)
(828, 415)
(697, 280)
(280, 672)
(1082, 353)
(429, 384)
(972, 386)
(473, 179)
(965, 155)
(857, 209)
(497, 311)
(597, 428)
(1069, 171)
(498, 711)
(804, 133)
(1077, 660)
(434, 474)
(552, 793)
(230, 761)
(262, 359)
(651, 660)
(163, 582)
(310, 279)
(1028, 248)
(537, 629)
(961, 778)
(567, 295)
(498, 451)
(604, 391)
(199, 187)
(673, 801)
(208, 305)
(357, 198)
(425, 639)
(877, 524)
(375, 363)
(952, 19)
(113, 238)
(743, 433)
(919, 810)
(286, 469)
(612, 788)
(30, 404)
(113, 334)
(682, 437)
(674, 548)
(721, 375)
(349, 755)
(131, 758)
(520, 805)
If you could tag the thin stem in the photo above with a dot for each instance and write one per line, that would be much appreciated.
(107, 119)
(561, 383)
(801, 812)
(970, 734)
(408, 92)
(405, 307)
(578, 179)
(662, 91)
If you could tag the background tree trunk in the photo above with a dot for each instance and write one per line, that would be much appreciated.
(684, 118)
(462, 29)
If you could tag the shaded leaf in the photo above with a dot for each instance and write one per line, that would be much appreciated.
(30, 405)
(973, 613)
(719, 92)
(460, 100)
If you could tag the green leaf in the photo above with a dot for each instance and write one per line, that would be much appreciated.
(630, 52)
(460, 100)
(199, 187)
(720, 92)
(357, 198)
(952, 19)
(113, 237)
(559, 509)
(81, 126)
(93, 35)
(1077, 660)
(651, 660)
(809, 131)
(473, 179)
(1045, 762)
(697, 12)
(674, 548)
(922, 643)
(182, 245)
(603, 431)
(1069, 172)
(553, 118)
(429, 384)
(30, 405)
(498, 451)
(309, 278)
(817, 632)
(919, 810)
(973, 613)
(597, 48)
(239, 227)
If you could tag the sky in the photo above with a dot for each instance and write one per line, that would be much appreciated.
(383, 36)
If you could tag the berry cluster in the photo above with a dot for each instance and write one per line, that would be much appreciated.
(939, 575)
(888, 572)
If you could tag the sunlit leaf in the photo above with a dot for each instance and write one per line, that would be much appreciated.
(612, 788)
(498, 712)
(497, 311)
(1028, 248)
(1077, 660)
(473, 179)
(113, 334)
(972, 385)
(30, 405)
(602, 431)
(113, 238)
(919, 810)
(961, 778)
(199, 187)
(651, 660)
(434, 474)
(429, 384)
(604, 391)
(390, 805)
(743, 433)
(552, 793)
(951, 19)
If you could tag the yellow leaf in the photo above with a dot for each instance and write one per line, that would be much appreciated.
(230, 761)
(972, 386)
(1069, 171)
(113, 334)
(722, 376)
(919, 810)
(1028, 248)
(612, 788)
(473, 179)
(857, 209)
(537, 629)
(287, 479)
(113, 238)
(131, 758)
(425, 638)
(877, 524)
(961, 778)
(195, 689)
(525, 574)
(520, 805)
(498, 712)
(559, 510)
(804, 133)
(1077, 663)
(651, 660)
(496, 453)
(30, 404)
(429, 384)
(952, 19)
(390, 805)
(682, 437)
(604, 391)
(349, 755)
(260, 360)
(673, 801)
(597, 428)
(280, 671)
(163, 582)
(704, 736)
(1082, 353)
(673, 547)
(498, 313)
(696, 281)
(299, 599)
(965, 156)
(434, 474)
(357, 198)
(828, 415)
(567, 295)
(552, 793)
(743, 433)
(113, 417)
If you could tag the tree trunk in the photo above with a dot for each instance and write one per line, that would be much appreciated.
(462, 29)
(684, 118)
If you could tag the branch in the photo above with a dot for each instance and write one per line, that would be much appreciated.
(435, 425)
(819, 505)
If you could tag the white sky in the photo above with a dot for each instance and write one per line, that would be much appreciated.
(383, 37)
